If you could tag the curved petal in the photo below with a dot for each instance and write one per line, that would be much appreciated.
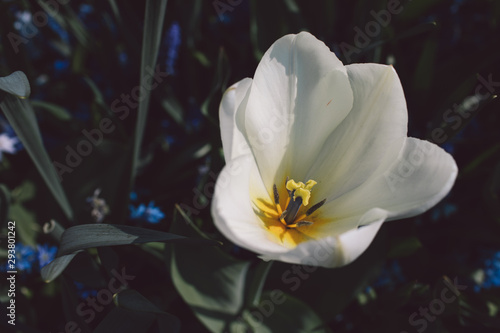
(233, 142)
(373, 131)
(299, 94)
(420, 176)
(331, 251)
(232, 209)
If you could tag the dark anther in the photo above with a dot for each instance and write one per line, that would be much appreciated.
(315, 207)
(303, 223)
(276, 195)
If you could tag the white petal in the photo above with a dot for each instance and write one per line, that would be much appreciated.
(373, 131)
(331, 251)
(299, 94)
(232, 209)
(233, 142)
(416, 180)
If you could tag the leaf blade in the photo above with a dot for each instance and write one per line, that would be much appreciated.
(22, 118)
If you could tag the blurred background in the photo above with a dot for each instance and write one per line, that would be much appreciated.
(83, 62)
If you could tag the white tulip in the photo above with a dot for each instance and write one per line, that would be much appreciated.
(317, 157)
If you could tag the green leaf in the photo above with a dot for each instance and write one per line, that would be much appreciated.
(98, 97)
(4, 204)
(132, 300)
(24, 192)
(279, 312)
(70, 301)
(94, 235)
(172, 106)
(53, 229)
(209, 280)
(219, 84)
(86, 236)
(27, 226)
(255, 287)
(56, 267)
(16, 84)
(153, 27)
(404, 247)
(57, 111)
(21, 117)
(152, 31)
(126, 321)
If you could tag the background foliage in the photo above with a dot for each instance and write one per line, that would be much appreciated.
(89, 55)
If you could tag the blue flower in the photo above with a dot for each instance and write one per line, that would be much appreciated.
(83, 291)
(148, 213)
(172, 44)
(489, 276)
(8, 144)
(25, 258)
(58, 29)
(99, 206)
(46, 254)
(61, 65)
(85, 10)
(391, 276)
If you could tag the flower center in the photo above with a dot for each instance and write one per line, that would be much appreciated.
(298, 196)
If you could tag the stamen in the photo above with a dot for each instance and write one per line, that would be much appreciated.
(315, 207)
(276, 195)
(277, 199)
(312, 209)
(299, 224)
(292, 209)
(298, 196)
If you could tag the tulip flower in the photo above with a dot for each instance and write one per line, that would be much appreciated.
(318, 157)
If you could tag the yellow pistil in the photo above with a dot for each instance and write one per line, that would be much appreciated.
(284, 223)
(301, 190)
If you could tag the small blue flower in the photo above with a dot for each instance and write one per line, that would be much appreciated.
(83, 291)
(46, 254)
(172, 44)
(148, 213)
(61, 65)
(490, 277)
(8, 144)
(123, 58)
(85, 10)
(58, 29)
(24, 23)
(391, 276)
(25, 258)
(99, 206)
